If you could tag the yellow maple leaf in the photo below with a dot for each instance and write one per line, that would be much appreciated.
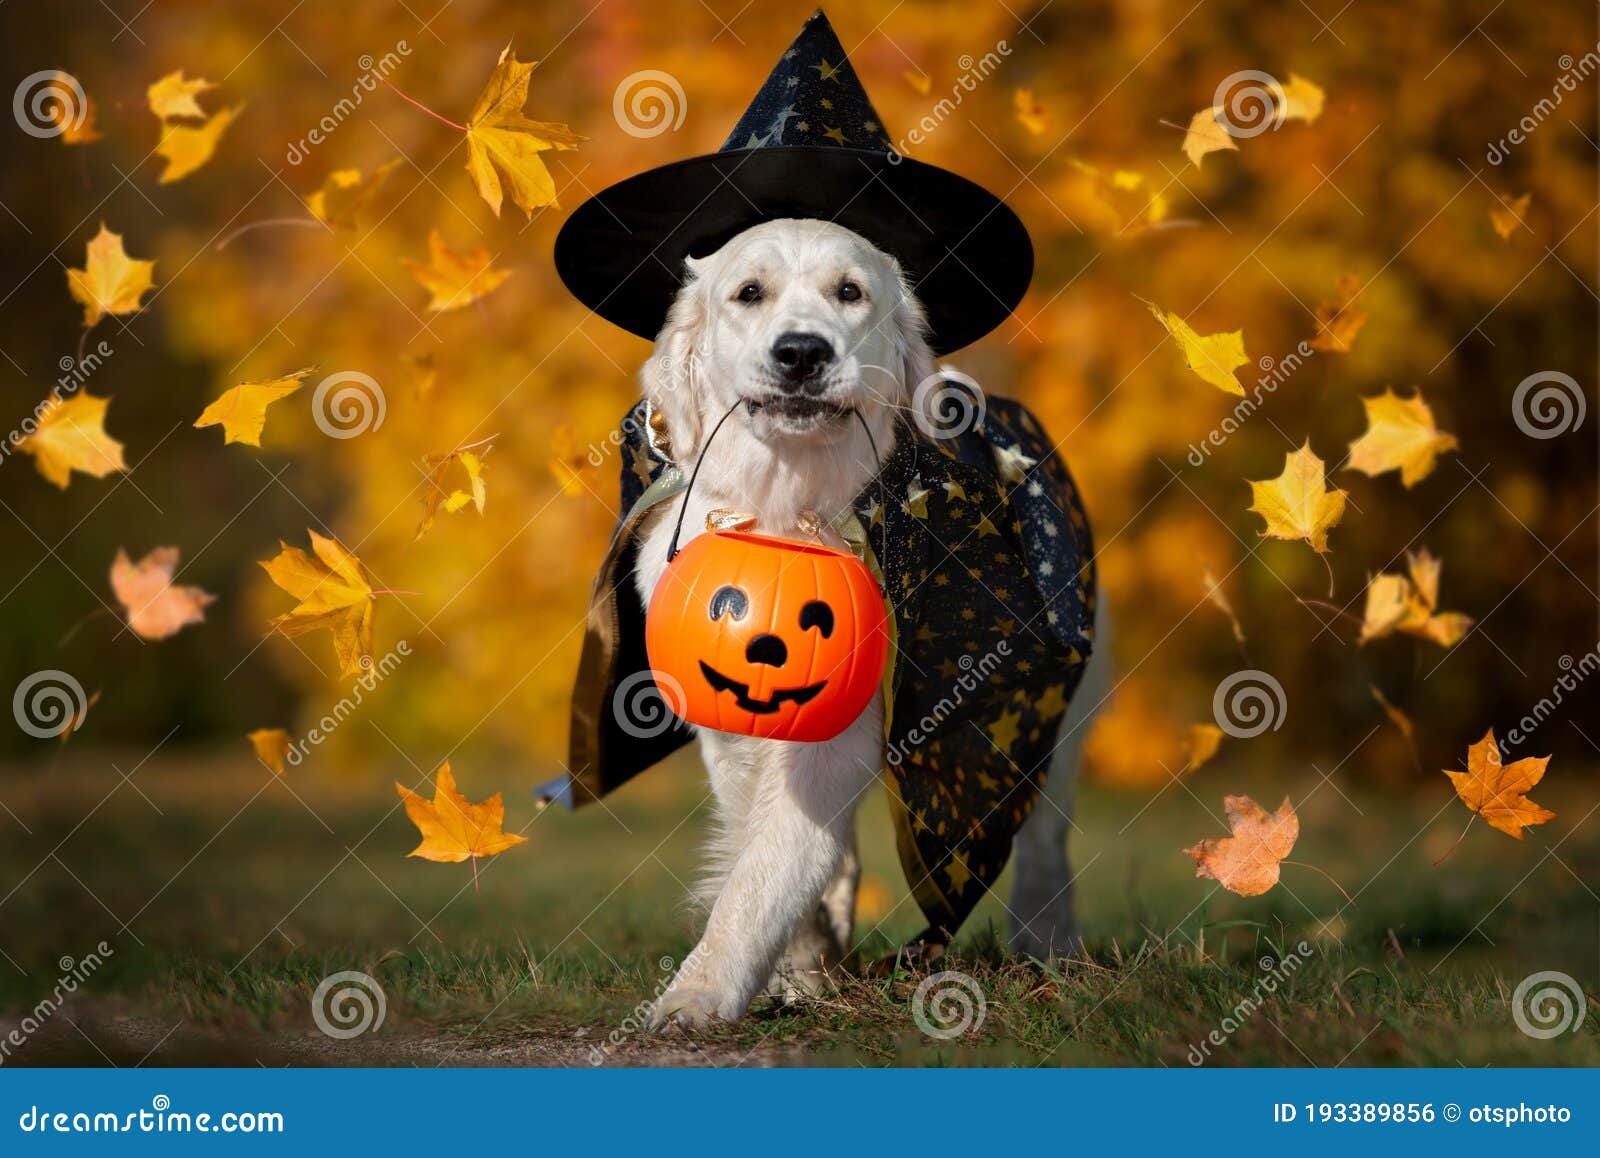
(157, 608)
(1400, 435)
(502, 143)
(1214, 357)
(455, 279)
(271, 747)
(453, 828)
(1204, 740)
(110, 282)
(567, 462)
(345, 194)
(1206, 135)
(451, 499)
(1339, 320)
(65, 104)
(334, 591)
(1031, 114)
(242, 410)
(71, 435)
(1508, 216)
(1298, 504)
(1497, 791)
(173, 96)
(1302, 100)
(187, 147)
(1398, 603)
(1247, 862)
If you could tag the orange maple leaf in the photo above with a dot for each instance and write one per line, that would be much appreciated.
(157, 607)
(1496, 790)
(1247, 862)
(453, 828)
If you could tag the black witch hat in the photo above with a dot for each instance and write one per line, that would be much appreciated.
(810, 145)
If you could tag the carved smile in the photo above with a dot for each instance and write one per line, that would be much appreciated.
(741, 692)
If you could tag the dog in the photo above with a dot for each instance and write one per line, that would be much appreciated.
(810, 331)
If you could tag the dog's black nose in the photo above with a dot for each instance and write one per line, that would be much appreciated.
(767, 649)
(800, 358)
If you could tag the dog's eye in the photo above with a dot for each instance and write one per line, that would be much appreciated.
(749, 293)
(728, 601)
(849, 292)
(819, 615)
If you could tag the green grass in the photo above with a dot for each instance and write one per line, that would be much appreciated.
(227, 895)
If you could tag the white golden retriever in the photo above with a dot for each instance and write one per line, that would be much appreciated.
(809, 322)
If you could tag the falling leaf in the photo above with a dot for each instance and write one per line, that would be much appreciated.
(501, 142)
(1204, 740)
(1218, 598)
(919, 81)
(1298, 504)
(1396, 717)
(64, 108)
(1400, 435)
(334, 591)
(1398, 603)
(1206, 135)
(451, 499)
(425, 371)
(242, 410)
(455, 279)
(173, 96)
(1496, 790)
(567, 463)
(453, 828)
(71, 435)
(110, 282)
(79, 715)
(1214, 357)
(345, 194)
(1340, 320)
(1301, 100)
(1247, 862)
(1508, 216)
(1030, 113)
(157, 608)
(271, 747)
(187, 147)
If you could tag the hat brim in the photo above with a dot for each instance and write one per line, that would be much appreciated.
(964, 252)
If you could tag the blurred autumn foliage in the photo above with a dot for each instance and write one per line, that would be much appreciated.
(1377, 231)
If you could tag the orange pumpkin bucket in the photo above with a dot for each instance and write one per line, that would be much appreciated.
(768, 637)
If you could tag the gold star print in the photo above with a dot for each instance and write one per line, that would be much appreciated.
(1052, 703)
(1005, 626)
(1012, 463)
(639, 461)
(1005, 730)
(804, 126)
(926, 634)
(836, 135)
(953, 490)
(985, 527)
(957, 872)
(917, 498)
(826, 71)
(919, 823)
(826, 103)
(947, 668)
(987, 782)
(871, 126)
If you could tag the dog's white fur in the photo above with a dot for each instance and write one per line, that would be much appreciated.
(782, 874)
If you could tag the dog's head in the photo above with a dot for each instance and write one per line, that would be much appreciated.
(803, 321)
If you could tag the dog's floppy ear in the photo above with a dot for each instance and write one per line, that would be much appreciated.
(917, 363)
(672, 378)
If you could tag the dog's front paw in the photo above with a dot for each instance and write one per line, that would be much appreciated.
(689, 1008)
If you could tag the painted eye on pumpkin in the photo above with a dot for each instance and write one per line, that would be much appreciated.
(727, 600)
(819, 615)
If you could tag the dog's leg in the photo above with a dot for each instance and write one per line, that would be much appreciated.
(1044, 923)
(821, 944)
(797, 833)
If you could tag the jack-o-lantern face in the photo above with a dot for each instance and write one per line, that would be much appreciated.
(767, 637)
